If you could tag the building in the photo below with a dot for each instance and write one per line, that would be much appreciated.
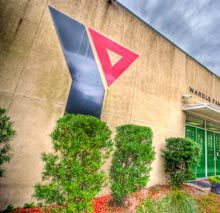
(160, 86)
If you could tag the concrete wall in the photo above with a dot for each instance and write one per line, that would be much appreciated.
(34, 83)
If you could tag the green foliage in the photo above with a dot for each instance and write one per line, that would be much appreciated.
(29, 205)
(149, 206)
(72, 173)
(214, 180)
(131, 161)
(6, 132)
(9, 208)
(176, 201)
(180, 155)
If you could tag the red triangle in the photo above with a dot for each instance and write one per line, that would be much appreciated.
(101, 44)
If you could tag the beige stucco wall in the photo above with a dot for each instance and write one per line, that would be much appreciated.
(34, 83)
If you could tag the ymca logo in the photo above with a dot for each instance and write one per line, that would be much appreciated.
(90, 77)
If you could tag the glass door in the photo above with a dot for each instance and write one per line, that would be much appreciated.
(211, 153)
(201, 168)
(191, 132)
(217, 153)
(198, 135)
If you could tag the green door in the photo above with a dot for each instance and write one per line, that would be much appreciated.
(217, 151)
(201, 141)
(210, 153)
(198, 135)
(190, 132)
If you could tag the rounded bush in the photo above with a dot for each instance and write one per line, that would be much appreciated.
(131, 161)
(72, 173)
(181, 155)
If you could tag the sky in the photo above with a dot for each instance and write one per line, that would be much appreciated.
(193, 25)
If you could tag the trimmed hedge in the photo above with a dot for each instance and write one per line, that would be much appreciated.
(131, 161)
(72, 172)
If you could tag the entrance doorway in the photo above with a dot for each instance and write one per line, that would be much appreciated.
(207, 135)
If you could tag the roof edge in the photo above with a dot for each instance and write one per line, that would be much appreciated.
(139, 18)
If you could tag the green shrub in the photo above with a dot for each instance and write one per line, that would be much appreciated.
(6, 132)
(180, 155)
(72, 173)
(214, 180)
(176, 201)
(131, 161)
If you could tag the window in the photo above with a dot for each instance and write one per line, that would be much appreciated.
(195, 121)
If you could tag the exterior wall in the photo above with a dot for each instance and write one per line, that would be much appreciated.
(35, 82)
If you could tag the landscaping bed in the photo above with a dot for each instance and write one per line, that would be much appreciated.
(207, 202)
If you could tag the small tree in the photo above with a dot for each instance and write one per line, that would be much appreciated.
(73, 172)
(131, 161)
(6, 132)
(180, 155)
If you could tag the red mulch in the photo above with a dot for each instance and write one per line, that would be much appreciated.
(101, 204)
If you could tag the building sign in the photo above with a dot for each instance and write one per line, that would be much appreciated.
(204, 96)
(91, 77)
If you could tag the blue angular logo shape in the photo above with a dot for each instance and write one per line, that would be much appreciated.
(87, 91)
